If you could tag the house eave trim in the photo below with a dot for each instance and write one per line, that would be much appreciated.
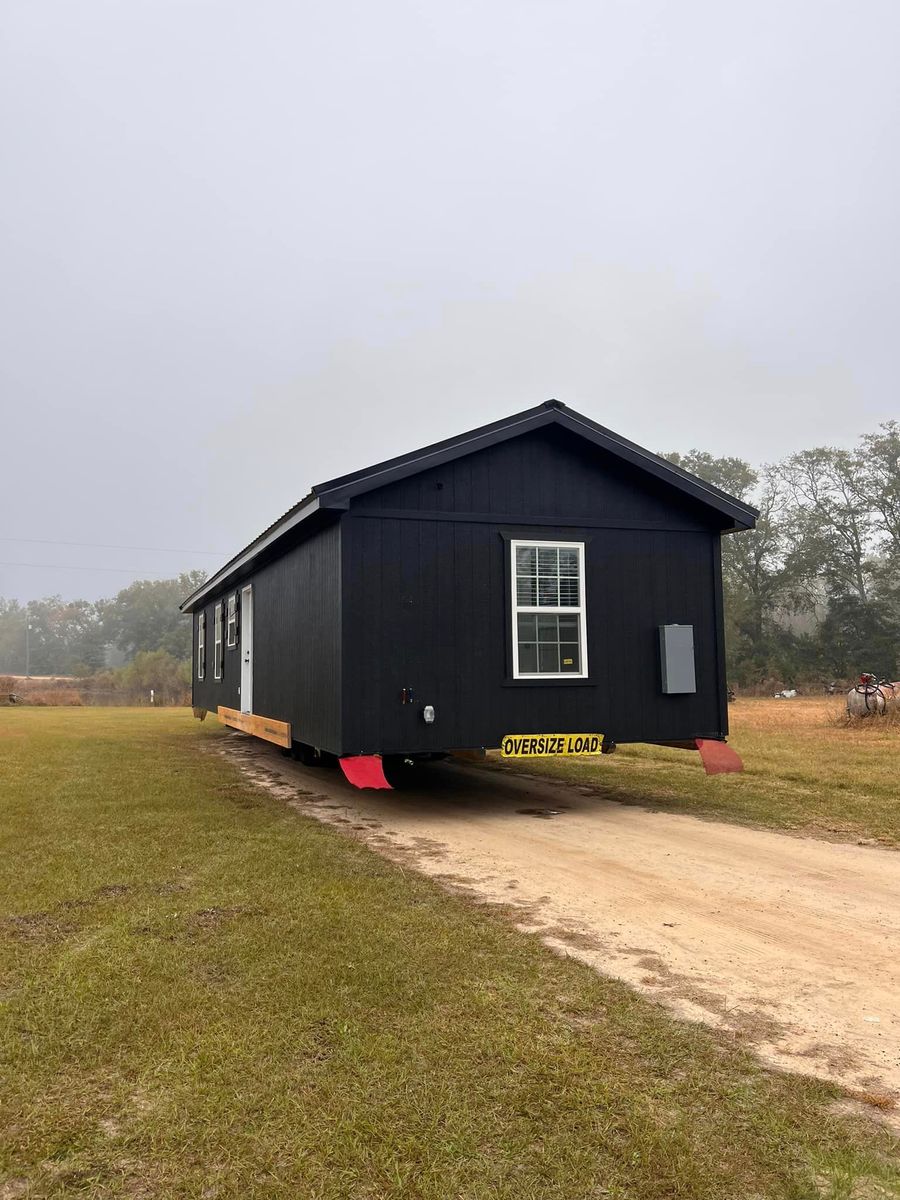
(233, 568)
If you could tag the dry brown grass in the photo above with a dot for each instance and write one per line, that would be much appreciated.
(870, 724)
(104, 689)
(41, 690)
(880, 1100)
(806, 768)
(54, 696)
(805, 715)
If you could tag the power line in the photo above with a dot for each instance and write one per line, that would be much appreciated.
(104, 546)
(74, 567)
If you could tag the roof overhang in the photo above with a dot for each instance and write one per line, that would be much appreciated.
(242, 562)
(336, 494)
(739, 514)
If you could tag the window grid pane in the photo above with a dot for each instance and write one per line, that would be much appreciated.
(548, 658)
(568, 592)
(217, 644)
(527, 623)
(548, 629)
(569, 658)
(548, 561)
(548, 592)
(526, 591)
(526, 560)
(548, 577)
(528, 656)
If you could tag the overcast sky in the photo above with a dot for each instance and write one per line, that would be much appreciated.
(250, 246)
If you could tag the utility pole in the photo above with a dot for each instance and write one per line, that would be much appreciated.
(28, 641)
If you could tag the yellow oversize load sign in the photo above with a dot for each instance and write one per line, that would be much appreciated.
(535, 745)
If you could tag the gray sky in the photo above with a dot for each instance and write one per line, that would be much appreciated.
(249, 246)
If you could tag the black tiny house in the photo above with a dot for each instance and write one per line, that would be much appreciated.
(536, 575)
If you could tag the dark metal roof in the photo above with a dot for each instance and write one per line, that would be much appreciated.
(336, 494)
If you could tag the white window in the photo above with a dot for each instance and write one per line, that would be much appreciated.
(201, 646)
(217, 643)
(548, 608)
(231, 632)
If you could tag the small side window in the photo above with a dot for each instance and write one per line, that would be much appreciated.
(217, 643)
(201, 646)
(231, 632)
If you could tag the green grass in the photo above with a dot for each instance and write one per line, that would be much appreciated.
(805, 769)
(208, 995)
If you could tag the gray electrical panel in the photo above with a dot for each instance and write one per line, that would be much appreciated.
(676, 658)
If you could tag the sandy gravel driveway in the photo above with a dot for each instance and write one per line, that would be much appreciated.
(792, 943)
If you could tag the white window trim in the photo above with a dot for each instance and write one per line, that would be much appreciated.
(231, 624)
(568, 610)
(217, 643)
(201, 646)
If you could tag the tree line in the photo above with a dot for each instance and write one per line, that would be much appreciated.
(81, 637)
(812, 595)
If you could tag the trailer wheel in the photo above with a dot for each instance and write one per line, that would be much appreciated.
(311, 756)
(401, 771)
(408, 770)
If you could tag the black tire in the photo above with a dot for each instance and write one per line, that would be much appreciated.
(405, 771)
(310, 756)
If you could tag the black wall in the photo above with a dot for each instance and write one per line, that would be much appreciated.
(297, 642)
(410, 589)
(427, 602)
(209, 692)
(547, 473)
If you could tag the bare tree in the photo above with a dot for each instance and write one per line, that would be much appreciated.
(831, 523)
(878, 484)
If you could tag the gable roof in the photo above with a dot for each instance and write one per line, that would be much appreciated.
(336, 494)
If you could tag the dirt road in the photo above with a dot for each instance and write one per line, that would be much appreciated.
(792, 943)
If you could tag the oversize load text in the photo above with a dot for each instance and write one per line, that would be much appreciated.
(527, 745)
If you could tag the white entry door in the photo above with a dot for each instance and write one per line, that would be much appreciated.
(247, 649)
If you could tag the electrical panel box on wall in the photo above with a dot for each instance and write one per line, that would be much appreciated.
(676, 657)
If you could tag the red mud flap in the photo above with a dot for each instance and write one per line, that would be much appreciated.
(718, 758)
(364, 770)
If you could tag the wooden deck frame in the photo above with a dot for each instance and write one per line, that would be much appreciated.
(278, 732)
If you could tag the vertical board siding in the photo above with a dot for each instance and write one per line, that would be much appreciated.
(719, 617)
(549, 472)
(429, 600)
(297, 633)
(297, 643)
(211, 692)
(437, 620)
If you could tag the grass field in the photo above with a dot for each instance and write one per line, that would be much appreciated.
(805, 769)
(207, 995)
